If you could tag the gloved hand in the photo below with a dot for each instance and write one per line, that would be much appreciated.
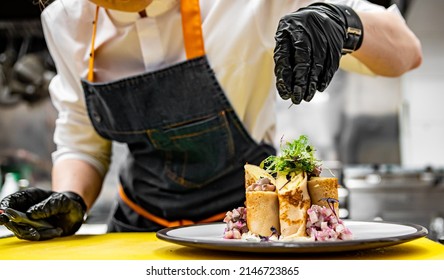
(63, 210)
(309, 45)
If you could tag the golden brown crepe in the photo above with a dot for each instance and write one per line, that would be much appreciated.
(294, 201)
(253, 173)
(321, 188)
(286, 208)
(262, 206)
(262, 212)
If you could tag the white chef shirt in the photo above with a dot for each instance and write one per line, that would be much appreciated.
(239, 42)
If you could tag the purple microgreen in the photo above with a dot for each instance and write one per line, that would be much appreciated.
(331, 203)
(273, 230)
(288, 181)
(267, 238)
(264, 238)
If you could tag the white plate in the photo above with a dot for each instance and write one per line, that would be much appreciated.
(366, 235)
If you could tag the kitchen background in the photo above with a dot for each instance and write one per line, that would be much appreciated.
(381, 136)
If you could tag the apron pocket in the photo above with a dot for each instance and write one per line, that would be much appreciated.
(196, 152)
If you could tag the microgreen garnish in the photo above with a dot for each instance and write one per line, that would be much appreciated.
(267, 238)
(296, 156)
(273, 230)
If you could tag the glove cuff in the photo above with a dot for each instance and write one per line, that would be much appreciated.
(77, 198)
(354, 30)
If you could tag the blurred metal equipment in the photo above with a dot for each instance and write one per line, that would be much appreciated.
(26, 114)
(26, 67)
(397, 194)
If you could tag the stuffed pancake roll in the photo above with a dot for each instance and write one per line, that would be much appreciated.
(294, 201)
(322, 189)
(262, 212)
(253, 173)
(261, 202)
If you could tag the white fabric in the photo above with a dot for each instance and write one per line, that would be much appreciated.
(239, 41)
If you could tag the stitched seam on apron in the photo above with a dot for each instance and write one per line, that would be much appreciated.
(196, 133)
(144, 131)
(148, 133)
(231, 148)
(181, 180)
(197, 119)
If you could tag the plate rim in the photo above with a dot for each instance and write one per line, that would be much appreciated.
(295, 247)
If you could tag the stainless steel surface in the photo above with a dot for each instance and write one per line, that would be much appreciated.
(394, 193)
(27, 116)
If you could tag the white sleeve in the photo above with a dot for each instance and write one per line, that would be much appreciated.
(358, 5)
(348, 62)
(74, 134)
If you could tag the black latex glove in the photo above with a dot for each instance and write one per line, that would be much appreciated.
(63, 210)
(309, 45)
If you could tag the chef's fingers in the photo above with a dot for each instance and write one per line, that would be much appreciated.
(317, 67)
(23, 231)
(50, 233)
(316, 70)
(302, 64)
(283, 67)
(3, 218)
(65, 210)
(24, 199)
(331, 65)
(329, 71)
(27, 232)
(55, 205)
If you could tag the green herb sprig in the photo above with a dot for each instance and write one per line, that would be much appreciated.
(296, 156)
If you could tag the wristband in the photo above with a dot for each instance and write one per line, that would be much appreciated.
(354, 32)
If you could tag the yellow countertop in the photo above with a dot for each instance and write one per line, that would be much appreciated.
(146, 246)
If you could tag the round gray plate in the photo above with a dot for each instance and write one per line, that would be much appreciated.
(366, 235)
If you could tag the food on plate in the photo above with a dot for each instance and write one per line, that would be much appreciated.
(324, 225)
(253, 173)
(236, 221)
(323, 188)
(288, 200)
(296, 156)
(294, 201)
(261, 201)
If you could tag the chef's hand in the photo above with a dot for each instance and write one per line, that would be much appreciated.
(63, 210)
(309, 45)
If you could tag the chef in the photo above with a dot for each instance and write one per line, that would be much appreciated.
(189, 86)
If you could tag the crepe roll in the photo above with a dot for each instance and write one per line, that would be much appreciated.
(253, 173)
(323, 188)
(262, 212)
(261, 201)
(294, 201)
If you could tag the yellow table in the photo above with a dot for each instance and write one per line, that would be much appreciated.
(145, 246)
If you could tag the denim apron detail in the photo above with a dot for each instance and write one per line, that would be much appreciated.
(187, 147)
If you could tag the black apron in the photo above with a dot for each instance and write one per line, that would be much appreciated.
(187, 147)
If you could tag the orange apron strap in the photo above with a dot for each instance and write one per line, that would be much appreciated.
(142, 212)
(192, 28)
(91, 52)
(216, 218)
